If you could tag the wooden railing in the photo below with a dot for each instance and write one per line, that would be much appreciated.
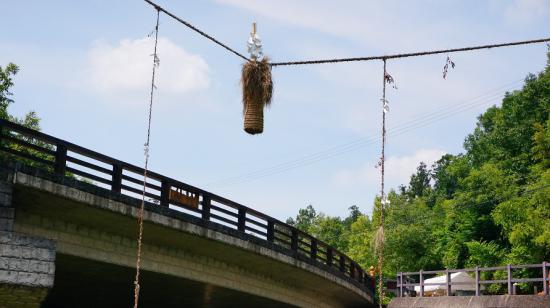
(68, 159)
(404, 279)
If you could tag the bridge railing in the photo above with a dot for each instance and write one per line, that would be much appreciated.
(405, 279)
(68, 159)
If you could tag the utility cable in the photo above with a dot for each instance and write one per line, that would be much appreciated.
(418, 122)
(397, 132)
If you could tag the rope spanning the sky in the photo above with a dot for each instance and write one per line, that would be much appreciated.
(339, 60)
(190, 26)
(412, 54)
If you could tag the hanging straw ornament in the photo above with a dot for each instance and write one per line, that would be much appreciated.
(257, 86)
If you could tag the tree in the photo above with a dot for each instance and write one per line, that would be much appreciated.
(30, 120)
(6, 83)
(354, 214)
(419, 184)
(305, 219)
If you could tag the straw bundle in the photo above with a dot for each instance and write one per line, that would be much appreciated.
(257, 92)
(379, 240)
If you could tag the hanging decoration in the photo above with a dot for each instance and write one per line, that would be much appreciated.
(257, 85)
(446, 67)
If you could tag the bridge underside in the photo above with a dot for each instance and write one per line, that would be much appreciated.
(78, 246)
(107, 285)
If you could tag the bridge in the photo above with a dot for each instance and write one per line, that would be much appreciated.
(68, 239)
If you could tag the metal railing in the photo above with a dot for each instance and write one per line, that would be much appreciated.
(404, 279)
(68, 159)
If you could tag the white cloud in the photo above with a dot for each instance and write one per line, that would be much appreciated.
(527, 10)
(398, 170)
(126, 67)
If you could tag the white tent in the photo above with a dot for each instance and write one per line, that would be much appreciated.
(467, 283)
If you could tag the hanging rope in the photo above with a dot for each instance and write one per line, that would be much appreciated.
(156, 63)
(413, 54)
(190, 26)
(380, 238)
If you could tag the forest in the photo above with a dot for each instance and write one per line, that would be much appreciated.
(487, 206)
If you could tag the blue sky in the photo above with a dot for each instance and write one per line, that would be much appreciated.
(85, 68)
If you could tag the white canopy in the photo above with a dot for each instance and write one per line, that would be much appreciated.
(467, 283)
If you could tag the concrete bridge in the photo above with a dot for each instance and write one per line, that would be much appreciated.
(68, 239)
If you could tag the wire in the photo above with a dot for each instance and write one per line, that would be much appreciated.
(425, 119)
(190, 26)
(413, 54)
(397, 132)
(141, 209)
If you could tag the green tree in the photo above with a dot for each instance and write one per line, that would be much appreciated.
(6, 83)
(305, 219)
(30, 120)
(419, 184)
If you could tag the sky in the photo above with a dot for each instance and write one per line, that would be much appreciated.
(85, 68)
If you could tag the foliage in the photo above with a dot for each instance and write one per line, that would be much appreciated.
(30, 120)
(6, 83)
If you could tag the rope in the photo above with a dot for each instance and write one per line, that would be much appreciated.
(146, 152)
(382, 195)
(337, 60)
(190, 26)
(413, 54)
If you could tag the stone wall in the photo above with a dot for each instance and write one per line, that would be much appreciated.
(524, 301)
(27, 263)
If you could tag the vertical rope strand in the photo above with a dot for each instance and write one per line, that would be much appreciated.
(146, 152)
(382, 194)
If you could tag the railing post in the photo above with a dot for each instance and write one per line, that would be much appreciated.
(294, 239)
(545, 278)
(116, 179)
(421, 284)
(241, 223)
(509, 271)
(329, 256)
(60, 159)
(477, 281)
(313, 249)
(400, 277)
(351, 270)
(205, 208)
(448, 279)
(165, 193)
(270, 231)
(342, 264)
